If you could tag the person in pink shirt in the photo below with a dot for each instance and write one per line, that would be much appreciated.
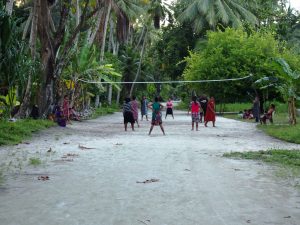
(169, 108)
(135, 110)
(195, 111)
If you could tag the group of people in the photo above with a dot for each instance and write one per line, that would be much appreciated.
(64, 114)
(199, 108)
(267, 115)
(130, 112)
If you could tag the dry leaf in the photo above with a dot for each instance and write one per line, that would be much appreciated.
(148, 181)
(83, 147)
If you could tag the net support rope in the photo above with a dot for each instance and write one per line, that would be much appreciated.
(163, 82)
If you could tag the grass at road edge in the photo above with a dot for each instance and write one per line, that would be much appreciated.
(287, 159)
(288, 133)
(280, 129)
(15, 132)
(104, 111)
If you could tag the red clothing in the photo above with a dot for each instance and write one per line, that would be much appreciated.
(195, 107)
(210, 111)
(66, 110)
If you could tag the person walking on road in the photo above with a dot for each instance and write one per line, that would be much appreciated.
(127, 114)
(144, 108)
(256, 109)
(210, 112)
(156, 115)
(169, 108)
(195, 111)
(135, 110)
(203, 103)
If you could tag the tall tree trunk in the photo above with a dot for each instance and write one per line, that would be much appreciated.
(26, 27)
(105, 32)
(140, 63)
(292, 111)
(109, 95)
(111, 36)
(9, 6)
(32, 44)
(93, 33)
(118, 97)
(109, 92)
(47, 59)
(78, 14)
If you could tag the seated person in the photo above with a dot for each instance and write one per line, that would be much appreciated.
(34, 112)
(268, 115)
(247, 114)
(59, 116)
(74, 115)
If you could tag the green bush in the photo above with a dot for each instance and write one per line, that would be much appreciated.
(15, 132)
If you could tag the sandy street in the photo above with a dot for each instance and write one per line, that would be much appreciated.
(94, 173)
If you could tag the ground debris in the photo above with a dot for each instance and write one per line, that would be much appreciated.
(71, 155)
(50, 150)
(144, 221)
(187, 170)
(287, 217)
(248, 221)
(147, 181)
(43, 178)
(119, 144)
(83, 147)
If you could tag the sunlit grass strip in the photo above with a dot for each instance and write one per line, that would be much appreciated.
(288, 158)
(104, 111)
(15, 132)
(288, 133)
(280, 129)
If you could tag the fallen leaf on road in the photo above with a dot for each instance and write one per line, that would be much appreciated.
(50, 150)
(83, 147)
(71, 155)
(43, 178)
(148, 181)
(143, 221)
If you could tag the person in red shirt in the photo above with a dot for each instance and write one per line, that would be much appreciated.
(195, 111)
(210, 112)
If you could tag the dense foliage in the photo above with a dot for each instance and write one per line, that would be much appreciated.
(234, 53)
(54, 48)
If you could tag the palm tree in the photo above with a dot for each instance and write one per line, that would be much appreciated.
(212, 12)
(84, 67)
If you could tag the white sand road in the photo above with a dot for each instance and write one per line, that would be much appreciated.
(101, 186)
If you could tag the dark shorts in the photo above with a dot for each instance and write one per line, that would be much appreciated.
(128, 117)
(169, 111)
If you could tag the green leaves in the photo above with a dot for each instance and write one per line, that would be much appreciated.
(212, 12)
(234, 53)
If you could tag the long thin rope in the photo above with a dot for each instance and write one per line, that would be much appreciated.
(163, 82)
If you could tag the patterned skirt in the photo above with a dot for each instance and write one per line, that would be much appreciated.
(156, 119)
(196, 117)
